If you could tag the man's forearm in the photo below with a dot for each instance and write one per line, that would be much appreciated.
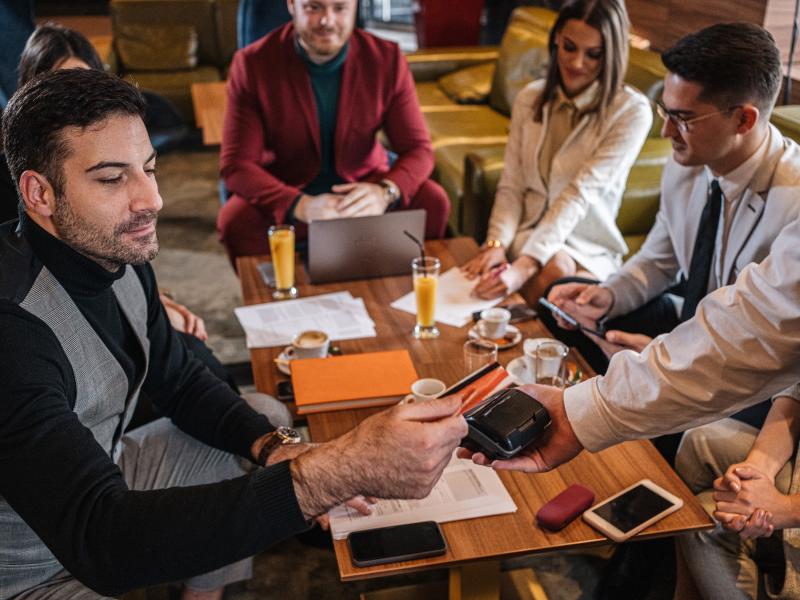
(323, 478)
(777, 441)
(739, 349)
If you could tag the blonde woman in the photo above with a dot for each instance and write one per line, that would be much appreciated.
(574, 137)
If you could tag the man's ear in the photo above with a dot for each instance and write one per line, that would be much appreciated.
(290, 6)
(37, 194)
(748, 118)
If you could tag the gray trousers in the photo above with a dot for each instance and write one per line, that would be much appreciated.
(159, 455)
(721, 564)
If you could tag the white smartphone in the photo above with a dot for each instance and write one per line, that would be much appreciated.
(635, 508)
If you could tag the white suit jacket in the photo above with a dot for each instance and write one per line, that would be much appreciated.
(742, 346)
(768, 203)
(577, 210)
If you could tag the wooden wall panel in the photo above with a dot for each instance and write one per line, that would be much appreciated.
(663, 22)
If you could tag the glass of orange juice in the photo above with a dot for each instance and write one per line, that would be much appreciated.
(426, 275)
(281, 247)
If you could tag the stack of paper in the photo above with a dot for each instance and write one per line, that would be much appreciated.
(454, 300)
(339, 315)
(465, 491)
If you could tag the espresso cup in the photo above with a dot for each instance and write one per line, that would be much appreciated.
(493, 322)
(427, 389)
(310, 344)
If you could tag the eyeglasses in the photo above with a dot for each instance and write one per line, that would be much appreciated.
(683, 124)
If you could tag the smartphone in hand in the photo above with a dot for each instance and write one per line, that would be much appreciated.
(565, 316)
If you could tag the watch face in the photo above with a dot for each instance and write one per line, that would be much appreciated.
(288, 435)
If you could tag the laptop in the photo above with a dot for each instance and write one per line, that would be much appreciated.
(364, 247)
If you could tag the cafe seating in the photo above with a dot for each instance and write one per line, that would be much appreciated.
(787, 119)
(467, 105)
(167, 45)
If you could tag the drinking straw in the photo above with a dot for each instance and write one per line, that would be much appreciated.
(418, 243)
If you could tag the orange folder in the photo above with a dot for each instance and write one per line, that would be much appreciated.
(351, 381)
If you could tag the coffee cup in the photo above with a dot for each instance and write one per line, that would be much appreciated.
(310, 344)
(427, 389)
(493, 322)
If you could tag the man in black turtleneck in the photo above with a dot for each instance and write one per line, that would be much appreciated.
(86, 509)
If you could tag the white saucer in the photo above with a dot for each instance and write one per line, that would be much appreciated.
(513, 337)
(284, 358)
(519, 371)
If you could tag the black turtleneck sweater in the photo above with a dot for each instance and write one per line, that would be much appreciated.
(61, 482)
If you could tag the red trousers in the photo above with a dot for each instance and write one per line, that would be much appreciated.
(242, 228)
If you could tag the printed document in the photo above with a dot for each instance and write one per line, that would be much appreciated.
(465, 491)
(454, 301)
(338, 314)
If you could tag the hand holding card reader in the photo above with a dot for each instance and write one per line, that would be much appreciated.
(506, 423)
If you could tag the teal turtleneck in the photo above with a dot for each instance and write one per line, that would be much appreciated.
(325, 83)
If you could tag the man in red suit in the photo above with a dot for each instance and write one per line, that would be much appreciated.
(305, 104)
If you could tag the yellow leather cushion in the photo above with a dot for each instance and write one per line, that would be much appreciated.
(787, 119)
(431, 96)
(639, 206)
(470, 85)
(541, 18)
(646, 72)
(467, 124)
(523, 57)
(156, 48)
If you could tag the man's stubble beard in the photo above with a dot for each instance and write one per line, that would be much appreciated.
(110, 252)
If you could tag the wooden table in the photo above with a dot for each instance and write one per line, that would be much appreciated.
(209, 101)
(489, 538)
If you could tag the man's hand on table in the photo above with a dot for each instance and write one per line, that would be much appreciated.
(361, 199)
(398, 453)
(318, 208)
(556, 446)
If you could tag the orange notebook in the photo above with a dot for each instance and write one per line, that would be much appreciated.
(351, 381)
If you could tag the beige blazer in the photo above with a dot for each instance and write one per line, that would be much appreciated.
(576, 212)
(763, 210)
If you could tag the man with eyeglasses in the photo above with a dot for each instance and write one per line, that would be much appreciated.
(724, 196)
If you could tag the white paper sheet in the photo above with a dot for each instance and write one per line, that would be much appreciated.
(454, 301)
(338, 314)
(465, 491)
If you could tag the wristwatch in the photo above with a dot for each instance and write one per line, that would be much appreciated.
(391, 190)
(282, 436)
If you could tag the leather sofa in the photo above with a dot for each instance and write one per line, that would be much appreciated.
(787, 119)
(167, 45)
(466, 96)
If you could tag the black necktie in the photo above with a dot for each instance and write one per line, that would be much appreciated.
(700, 267)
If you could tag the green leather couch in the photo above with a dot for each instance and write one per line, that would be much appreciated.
(787, 119)
(167, 45)
(467, 108)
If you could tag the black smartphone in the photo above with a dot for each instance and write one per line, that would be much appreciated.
(285, 391)
(394, 544)
(519, 312)
(569, 318)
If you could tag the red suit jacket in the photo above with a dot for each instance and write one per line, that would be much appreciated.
(270, 143)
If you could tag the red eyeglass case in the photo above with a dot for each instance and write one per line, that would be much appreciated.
(565, 507)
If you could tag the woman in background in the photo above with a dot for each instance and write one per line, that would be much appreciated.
(574, 137)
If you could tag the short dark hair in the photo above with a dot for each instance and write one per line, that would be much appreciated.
(38, 112)
(735, 63)
(51, 44)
